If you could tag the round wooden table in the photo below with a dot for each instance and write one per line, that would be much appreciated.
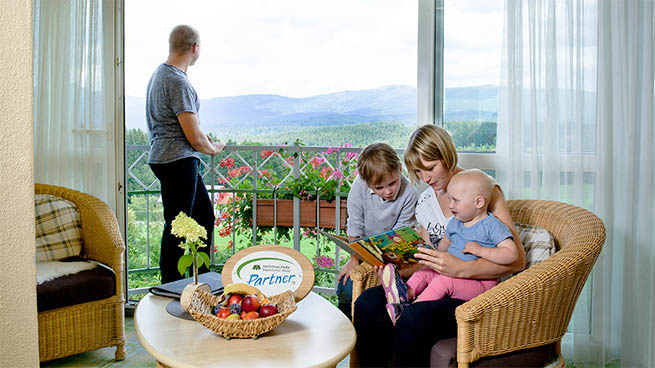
(317, 334)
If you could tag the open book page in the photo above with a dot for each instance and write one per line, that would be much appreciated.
(396, 246)
(355, 249)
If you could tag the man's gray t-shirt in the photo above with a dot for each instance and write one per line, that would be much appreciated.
(169, 94)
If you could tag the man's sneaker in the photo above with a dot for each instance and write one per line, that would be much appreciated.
(395, 310)
(395, 289)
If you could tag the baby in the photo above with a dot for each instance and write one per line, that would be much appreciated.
(471, 233)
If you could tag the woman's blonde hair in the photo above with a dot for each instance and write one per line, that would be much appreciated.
(430, 143)
(376, 162)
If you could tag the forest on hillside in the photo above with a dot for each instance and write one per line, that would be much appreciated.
(469, 136)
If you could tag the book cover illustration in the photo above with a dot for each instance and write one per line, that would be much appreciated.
(396, 246)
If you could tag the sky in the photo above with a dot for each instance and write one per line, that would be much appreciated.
(473, 31)
(301, 48)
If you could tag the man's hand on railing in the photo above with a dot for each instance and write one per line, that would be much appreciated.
(218, 148)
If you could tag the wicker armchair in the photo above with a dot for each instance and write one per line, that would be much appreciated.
(97, 324)
(533, 308)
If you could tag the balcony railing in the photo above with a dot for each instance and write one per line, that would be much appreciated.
(238, 174)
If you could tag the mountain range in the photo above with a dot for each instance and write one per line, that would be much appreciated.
(388, 103)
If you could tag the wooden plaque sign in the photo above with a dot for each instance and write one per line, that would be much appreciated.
(272, 269)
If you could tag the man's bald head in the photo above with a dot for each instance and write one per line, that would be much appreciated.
(182, 38)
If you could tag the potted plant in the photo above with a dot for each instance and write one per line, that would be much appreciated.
(320, 182)
(187, 228)
(321, 177)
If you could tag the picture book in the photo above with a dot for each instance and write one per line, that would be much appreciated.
(396, 246)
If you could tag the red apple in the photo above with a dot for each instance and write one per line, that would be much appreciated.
(267, 310)
(223, 312)
(250, 303)
(234, 299)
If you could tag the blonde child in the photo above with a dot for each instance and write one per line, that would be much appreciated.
(380, 199)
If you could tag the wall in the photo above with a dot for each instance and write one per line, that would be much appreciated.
(18, 322)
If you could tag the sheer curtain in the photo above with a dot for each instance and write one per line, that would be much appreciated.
(74, 96)
(576, 125)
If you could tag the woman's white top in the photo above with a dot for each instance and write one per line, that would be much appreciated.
(430, 216)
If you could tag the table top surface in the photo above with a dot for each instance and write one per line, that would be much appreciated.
(317, 334)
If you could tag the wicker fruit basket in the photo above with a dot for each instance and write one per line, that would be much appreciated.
(203, 302)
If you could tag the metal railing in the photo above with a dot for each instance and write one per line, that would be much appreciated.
(251, 180)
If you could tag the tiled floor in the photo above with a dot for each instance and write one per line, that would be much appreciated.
(137, 357)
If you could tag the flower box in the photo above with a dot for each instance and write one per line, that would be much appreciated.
(327, 213)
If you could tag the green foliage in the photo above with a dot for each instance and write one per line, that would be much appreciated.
(470, 136)
(145, 225)
(359, 135)
(138, 162)
(184, 262)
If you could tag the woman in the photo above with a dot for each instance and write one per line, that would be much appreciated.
(430, 157)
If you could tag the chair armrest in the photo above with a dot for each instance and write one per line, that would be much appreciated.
(363, 277)
(101, 235)
(531, 309)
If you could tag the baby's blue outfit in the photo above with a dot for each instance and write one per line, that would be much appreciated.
(487, 232)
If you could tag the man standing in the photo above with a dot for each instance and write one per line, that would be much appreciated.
(176, 142)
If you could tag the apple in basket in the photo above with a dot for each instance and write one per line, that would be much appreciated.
(267, 310)
(250, 303)
(235, 299)
(223, 313)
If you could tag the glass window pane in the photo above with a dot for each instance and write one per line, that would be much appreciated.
(473, 33)
(323, 71)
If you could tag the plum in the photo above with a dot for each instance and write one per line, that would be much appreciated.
(235, 308)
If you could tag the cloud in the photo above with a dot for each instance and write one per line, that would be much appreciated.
(289, 47)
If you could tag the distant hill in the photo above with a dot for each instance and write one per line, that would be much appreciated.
(388, 104)
(479, 103)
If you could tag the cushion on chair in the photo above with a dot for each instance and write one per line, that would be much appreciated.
(537, 242)
(46, 271)
(86, 286)
(444, 354)
(58, 228)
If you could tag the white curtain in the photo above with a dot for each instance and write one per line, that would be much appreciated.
(576, 125)
(74, 125)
